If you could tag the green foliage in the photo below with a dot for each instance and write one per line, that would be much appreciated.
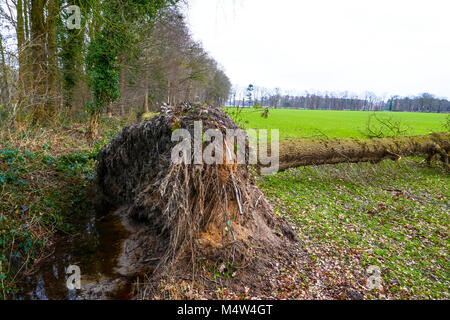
(118, 35)
(265, 113)
(103, 70)
(3, 113)
(32, 202)
(43, 186)
(446, 124)
(250, 89)
(237, 116)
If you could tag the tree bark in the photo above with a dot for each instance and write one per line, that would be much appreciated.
(146, 109)
(54, 99)
(20, 31)
(26, 5)
(39, 68)
(304, 152)
(122, 90)
(4, 98)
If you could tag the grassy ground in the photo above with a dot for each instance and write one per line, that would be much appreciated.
(338, 124)
(352, 216)
(44, 178)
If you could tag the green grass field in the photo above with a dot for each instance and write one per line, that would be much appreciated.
(337, 124)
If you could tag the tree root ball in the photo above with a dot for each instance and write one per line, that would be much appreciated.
(213, 212)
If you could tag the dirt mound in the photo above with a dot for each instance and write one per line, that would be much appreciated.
(195, 211)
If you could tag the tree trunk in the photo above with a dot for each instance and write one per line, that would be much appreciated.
(304, 152)
(22, 49)
(122, 90)
(4, 98)
(109, 111)
(39, 67)
(26, 20)
(20, 31)
(94, 123)
(54, 99)
(168, 92)
(146, 109)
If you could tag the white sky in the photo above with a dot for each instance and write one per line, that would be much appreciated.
(384, 46)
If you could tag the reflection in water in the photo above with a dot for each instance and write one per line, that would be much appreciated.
(95, 249)
(40, 290)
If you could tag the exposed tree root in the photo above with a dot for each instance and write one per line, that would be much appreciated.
(212, 212)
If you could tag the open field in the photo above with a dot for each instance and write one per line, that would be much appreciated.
(337, 124)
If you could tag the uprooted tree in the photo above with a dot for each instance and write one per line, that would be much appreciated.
(209, 211)
(215, 211)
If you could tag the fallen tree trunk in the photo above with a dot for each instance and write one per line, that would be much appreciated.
(304, 152)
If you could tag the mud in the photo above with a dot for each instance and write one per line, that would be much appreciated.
(105, 251)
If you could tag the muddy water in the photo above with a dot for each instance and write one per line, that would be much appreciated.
(96, 250)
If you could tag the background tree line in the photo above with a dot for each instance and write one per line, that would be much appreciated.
(335, 101)
(126, 56)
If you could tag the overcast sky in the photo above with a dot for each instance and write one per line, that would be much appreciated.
(385, 46)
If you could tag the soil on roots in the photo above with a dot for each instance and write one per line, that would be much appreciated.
(192, 216)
